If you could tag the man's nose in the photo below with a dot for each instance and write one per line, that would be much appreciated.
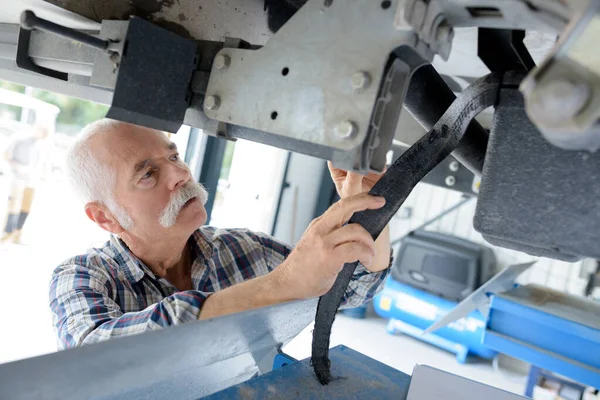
(178, 176)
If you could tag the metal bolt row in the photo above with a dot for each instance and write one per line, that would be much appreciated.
(346, 129)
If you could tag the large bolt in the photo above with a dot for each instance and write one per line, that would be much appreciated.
(346, 129)
(212, 103)
(560, 99)
(222, 62)
(360, 81)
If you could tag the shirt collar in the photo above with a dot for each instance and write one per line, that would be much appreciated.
(134, 269)
(201, 245)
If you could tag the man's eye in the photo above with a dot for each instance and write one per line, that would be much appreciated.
(175, 157)
(148, 175)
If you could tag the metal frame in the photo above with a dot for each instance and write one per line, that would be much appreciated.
(187, 361)
(326, 100)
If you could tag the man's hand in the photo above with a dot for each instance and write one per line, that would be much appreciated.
(351, 183)
(312, 267)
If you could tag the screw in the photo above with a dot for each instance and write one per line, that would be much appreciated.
(450, 180)
(454, 166)
(222, 62)
(212, 103)
(360, 81)
(346, 129)
(561, 99)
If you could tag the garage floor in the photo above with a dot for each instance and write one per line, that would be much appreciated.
(370, 337)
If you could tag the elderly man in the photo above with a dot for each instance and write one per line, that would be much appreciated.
(162, 267)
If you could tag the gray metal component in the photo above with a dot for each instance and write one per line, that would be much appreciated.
(346, 129)
(222, 62)
(479, 299)
(360, 81)
(539, 15)
(562, 95)
(212, 102)
(61, 54)
(299, 86)
(522, 170)
(198, 19)
(78, 86)
(154, 77)
(427, 17)
(461, 177)
(106, 67)
(183, 362)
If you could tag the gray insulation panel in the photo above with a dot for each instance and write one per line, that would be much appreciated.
(535, 197)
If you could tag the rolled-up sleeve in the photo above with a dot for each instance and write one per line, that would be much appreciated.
(363, 286)
(84, 310)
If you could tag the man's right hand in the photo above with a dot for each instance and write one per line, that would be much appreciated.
(328, 243)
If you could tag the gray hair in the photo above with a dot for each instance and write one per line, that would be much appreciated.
(92, 180)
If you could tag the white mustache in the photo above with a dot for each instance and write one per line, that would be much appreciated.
(168, 216)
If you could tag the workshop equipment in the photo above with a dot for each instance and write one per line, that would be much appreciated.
(410, 311)
(552, 330)
(444, 265)
(357, 376)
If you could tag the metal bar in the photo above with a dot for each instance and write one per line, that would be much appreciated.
(188, 361)
(427, 98)
(503, 50)
(284, 185)
(30, 21)
(211, 169)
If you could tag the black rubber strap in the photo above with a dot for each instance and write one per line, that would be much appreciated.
(395, 185)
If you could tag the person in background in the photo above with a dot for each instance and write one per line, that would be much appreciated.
(23, 156)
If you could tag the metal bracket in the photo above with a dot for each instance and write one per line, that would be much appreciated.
(427, 17)
(562, 95)
(316, 81)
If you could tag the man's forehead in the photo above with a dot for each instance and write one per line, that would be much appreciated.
(126, 143)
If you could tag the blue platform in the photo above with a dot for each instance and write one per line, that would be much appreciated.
(549, 329)
(357, 377)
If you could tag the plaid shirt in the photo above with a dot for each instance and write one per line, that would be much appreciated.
(110, 293)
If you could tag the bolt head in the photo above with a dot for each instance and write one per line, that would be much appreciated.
(560, 99)
(360, 81)
(212, 103)
(222, 62)
(346, 129)
(450, 180)
(454, 166)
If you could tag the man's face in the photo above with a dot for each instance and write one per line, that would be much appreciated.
(153, 184)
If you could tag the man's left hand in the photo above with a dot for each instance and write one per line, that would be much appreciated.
(352, 183)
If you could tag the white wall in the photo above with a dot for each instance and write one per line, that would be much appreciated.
(427, 200)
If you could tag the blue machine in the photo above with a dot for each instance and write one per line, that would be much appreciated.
(549, 329)
(411, 311)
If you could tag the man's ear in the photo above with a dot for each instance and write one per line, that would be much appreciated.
(102, 216)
